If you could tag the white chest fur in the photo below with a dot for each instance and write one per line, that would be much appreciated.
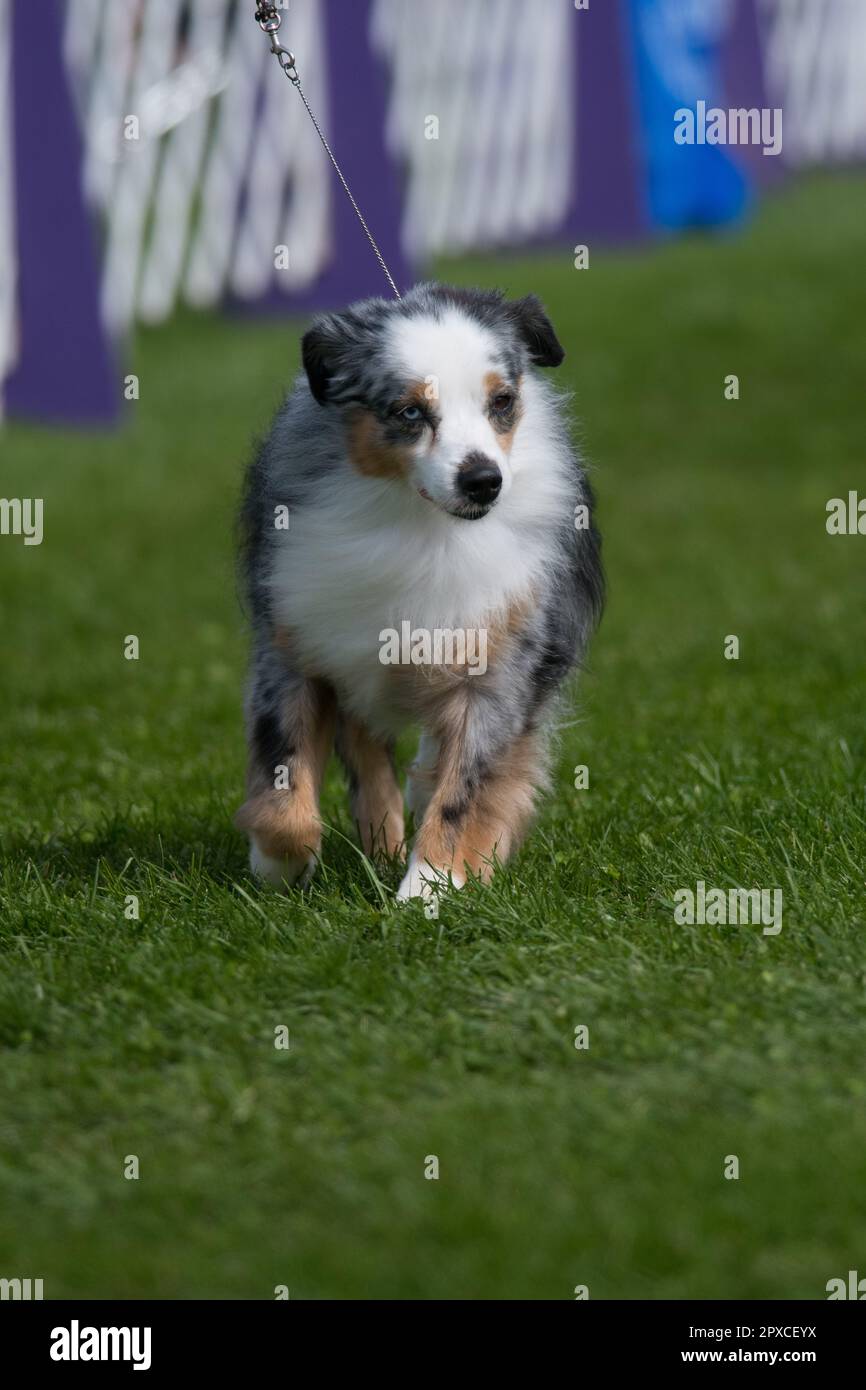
(369, 555)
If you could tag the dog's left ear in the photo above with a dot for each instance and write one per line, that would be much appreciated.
(326, 350)
(320, 354)
(536, 331)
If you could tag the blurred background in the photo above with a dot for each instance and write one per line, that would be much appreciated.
(152, 154)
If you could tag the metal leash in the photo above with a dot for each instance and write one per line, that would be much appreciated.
(269, 20)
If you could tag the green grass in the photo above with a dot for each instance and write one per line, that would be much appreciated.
(558, 1167)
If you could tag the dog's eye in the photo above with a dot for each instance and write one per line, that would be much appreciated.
(503, 402)
(411, 414)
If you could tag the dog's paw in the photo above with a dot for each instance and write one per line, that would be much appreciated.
(282, 873)
(428, 884)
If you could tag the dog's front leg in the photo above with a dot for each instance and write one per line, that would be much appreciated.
(290, 723)
(376, 800)
(482, 803)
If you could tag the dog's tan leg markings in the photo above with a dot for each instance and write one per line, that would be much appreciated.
(474, 813)
(502, 811)
(376, 799)
(283, 822)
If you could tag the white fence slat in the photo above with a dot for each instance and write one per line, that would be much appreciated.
(815, 58)
(498, 76)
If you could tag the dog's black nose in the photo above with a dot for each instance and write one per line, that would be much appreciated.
(479, 480)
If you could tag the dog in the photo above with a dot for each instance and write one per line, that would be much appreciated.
(418, 480)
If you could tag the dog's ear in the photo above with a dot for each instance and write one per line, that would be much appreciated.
(320, 353)
(327, 348)
(536, 331)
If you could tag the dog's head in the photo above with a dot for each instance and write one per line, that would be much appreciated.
(430, 387)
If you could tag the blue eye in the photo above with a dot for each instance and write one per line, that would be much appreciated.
(412, 414)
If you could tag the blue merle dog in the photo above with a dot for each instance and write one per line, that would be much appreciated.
(419, 549)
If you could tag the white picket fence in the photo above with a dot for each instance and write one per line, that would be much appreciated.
(815, 58)
(199, 156)
(226, 167)
(481, 116)
(197, 182)
(200, 161)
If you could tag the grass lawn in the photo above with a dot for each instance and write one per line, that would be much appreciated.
(605, 1166)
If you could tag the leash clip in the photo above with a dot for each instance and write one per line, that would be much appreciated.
(269, 20)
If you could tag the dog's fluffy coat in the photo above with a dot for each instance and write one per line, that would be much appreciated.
(370, 453)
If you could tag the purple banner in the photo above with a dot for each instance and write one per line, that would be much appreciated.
(64, 371)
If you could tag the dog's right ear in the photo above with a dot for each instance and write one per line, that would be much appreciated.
(325, 350)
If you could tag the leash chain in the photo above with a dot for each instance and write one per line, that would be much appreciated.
(269, 20)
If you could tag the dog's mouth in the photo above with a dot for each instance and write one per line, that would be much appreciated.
(471, 511)
(467, 511)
